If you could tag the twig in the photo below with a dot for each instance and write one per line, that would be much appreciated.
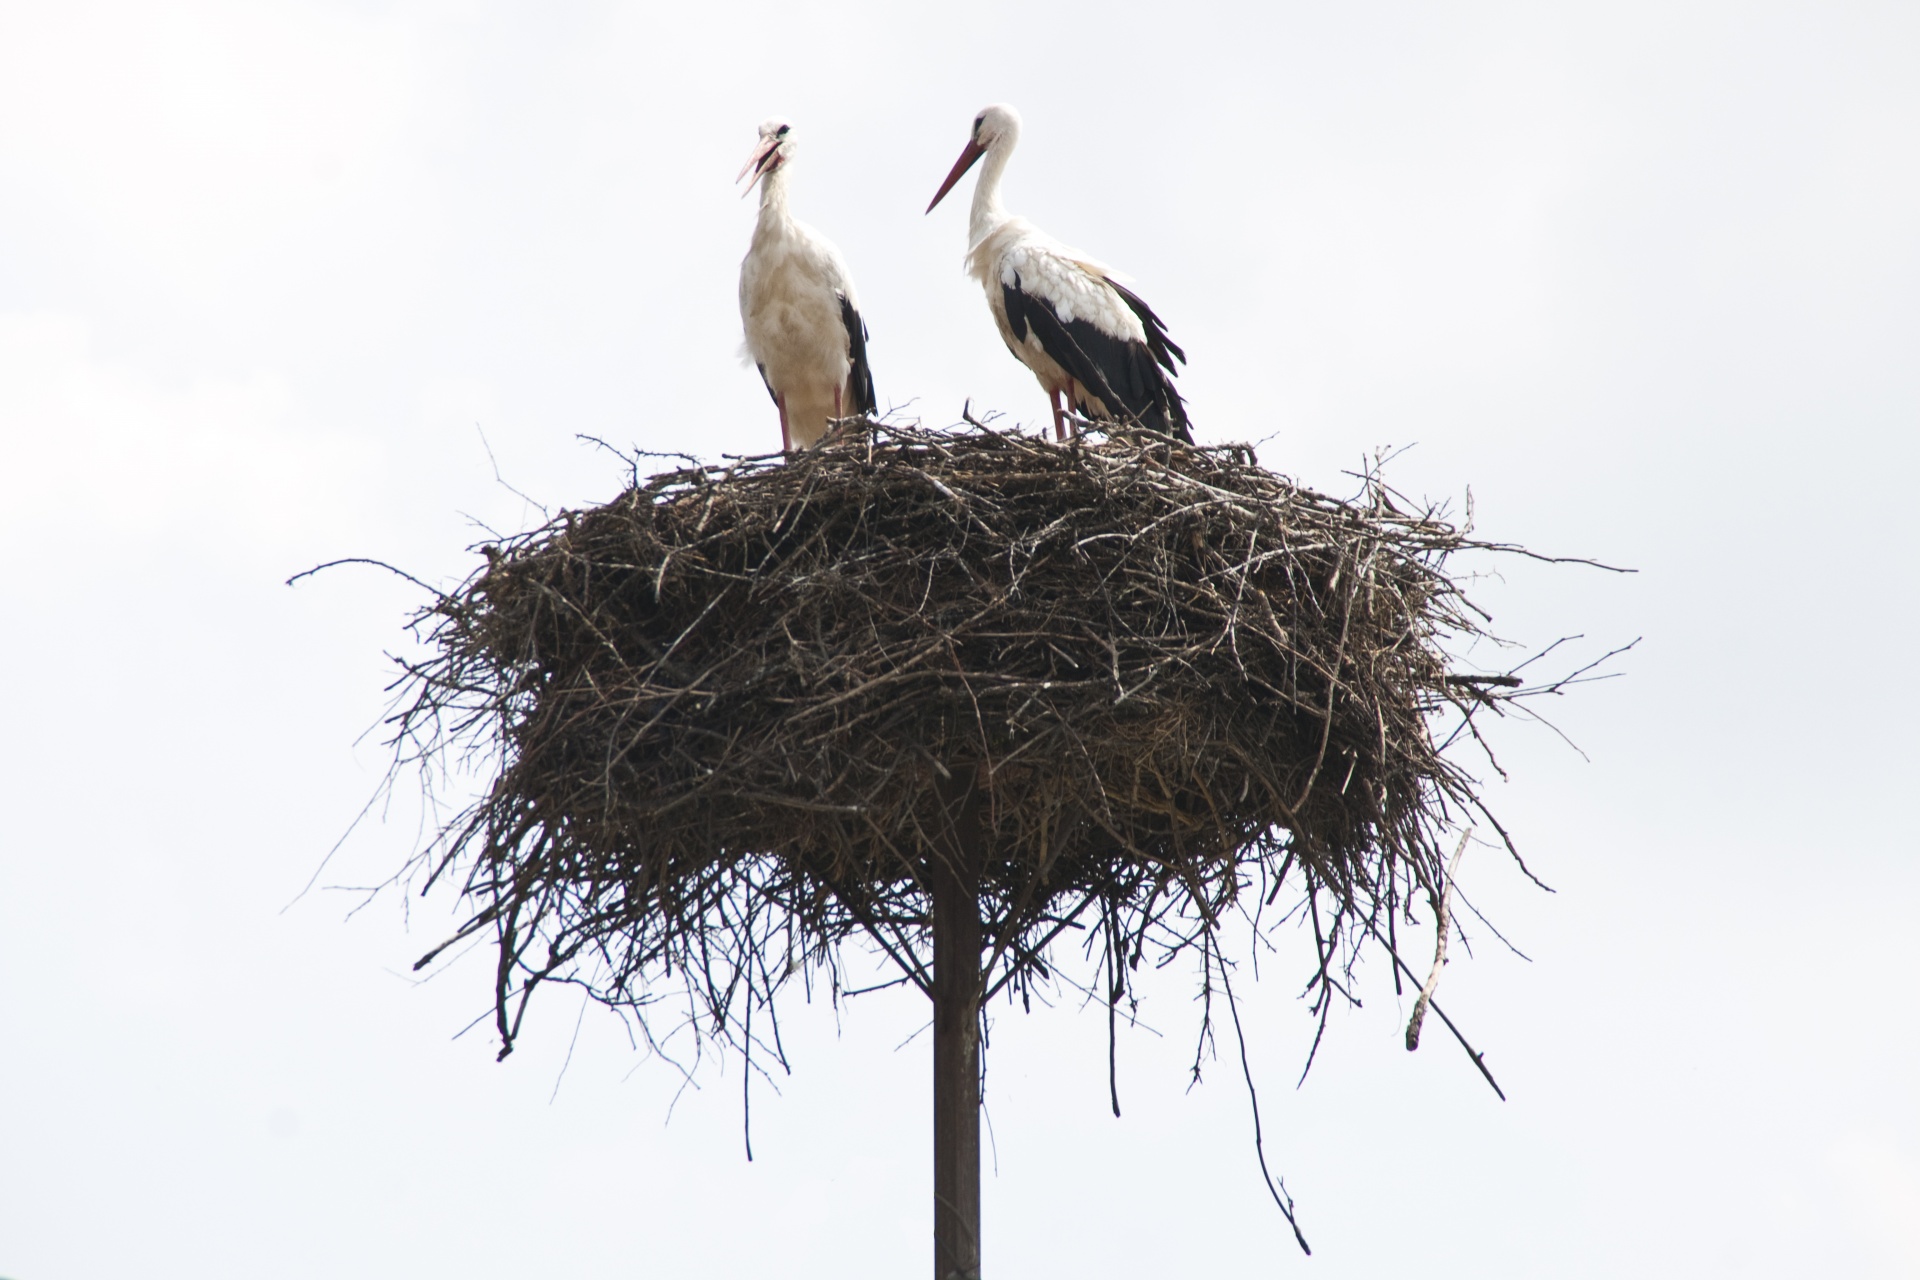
(1443, 922)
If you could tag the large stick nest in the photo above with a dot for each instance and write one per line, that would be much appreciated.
(727, 709)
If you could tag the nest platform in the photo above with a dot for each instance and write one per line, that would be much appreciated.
(729, 707)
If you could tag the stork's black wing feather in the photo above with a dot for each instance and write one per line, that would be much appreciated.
(860, 397)
(1130, 378)
(1165, 353)
(768, 385)
(1156, 328)
(1076, 346)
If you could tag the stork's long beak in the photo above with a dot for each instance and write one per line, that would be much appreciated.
(967, 160)
(758, 163)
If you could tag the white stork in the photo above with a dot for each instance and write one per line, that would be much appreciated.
(804, 331)
(1068, 318)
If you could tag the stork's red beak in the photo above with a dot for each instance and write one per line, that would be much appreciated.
(761, 162)
(966, 161)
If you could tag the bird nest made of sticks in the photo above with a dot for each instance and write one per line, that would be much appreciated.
(725, 707)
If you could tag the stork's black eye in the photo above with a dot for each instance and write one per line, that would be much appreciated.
(781, 132)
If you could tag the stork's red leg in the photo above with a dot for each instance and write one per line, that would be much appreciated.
(786, 441)
(1059, 418)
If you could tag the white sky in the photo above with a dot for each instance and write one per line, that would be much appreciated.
(1645, 275)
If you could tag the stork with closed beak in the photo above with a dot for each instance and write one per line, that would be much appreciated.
(803, 325)
(1089, 339)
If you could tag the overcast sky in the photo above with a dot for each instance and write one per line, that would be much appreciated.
(1646, 276)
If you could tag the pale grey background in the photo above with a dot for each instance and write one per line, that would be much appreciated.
(1642, 274)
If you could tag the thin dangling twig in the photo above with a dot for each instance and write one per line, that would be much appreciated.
(1442, 910)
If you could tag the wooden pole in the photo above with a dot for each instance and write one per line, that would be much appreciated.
(954, 885)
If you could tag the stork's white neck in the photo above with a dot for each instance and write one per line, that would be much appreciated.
(773, 196)
(988, 213)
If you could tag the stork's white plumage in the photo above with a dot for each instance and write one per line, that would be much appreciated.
(1087, 338)
(803, 325)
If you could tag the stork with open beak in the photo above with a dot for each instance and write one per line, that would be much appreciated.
(802, 320)
(1090, 340)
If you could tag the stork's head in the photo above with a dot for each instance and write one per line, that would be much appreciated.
(995, 123)
(995, 128)
(773, 150)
